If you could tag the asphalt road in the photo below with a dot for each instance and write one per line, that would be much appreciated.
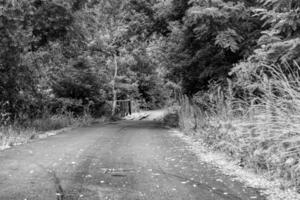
(128, 160)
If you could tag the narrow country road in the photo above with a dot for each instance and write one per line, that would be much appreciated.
(127, 160)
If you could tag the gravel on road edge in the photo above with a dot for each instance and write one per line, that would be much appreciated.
(272, 189)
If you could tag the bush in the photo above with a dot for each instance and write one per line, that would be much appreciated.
(57, 106)
(100, 109)
(171, 119)
(54, 122)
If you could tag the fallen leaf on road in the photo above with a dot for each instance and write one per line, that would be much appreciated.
(220, 180)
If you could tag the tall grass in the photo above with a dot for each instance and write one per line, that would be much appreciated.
(255, 119)
(15, 134)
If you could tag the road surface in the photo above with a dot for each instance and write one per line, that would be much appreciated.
(127, 160)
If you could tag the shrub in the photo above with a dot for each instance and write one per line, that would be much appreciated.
(54, 122)
(171, 119)
(100, 109)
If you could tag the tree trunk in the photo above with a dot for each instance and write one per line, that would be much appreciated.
(209, 3)
(114, 106)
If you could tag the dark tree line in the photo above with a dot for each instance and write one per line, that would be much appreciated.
(83, 53)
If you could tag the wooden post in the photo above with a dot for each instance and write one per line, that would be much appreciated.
(124, 107)
(114, 106)
(130, 112)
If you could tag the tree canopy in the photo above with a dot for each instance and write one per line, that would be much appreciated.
(58, 49)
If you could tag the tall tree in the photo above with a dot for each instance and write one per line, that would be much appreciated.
(280, 42)
(208, 40)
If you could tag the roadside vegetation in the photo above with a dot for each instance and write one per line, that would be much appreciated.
(66, 62)
(237, 67)
(260, 132)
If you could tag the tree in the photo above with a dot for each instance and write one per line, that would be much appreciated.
(280, 40)
(19, 94)
(208, 40)
(28, 29)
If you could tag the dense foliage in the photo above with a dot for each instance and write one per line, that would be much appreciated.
(200, 41)
(92, 51)
(59, 55)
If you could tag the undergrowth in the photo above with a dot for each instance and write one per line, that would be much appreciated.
(255, 119)
(15, 134)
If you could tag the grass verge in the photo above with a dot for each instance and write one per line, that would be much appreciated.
(13, 135)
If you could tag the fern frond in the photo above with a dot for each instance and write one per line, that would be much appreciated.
(228, 39)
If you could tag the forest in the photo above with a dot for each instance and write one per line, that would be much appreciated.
(230, 69)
